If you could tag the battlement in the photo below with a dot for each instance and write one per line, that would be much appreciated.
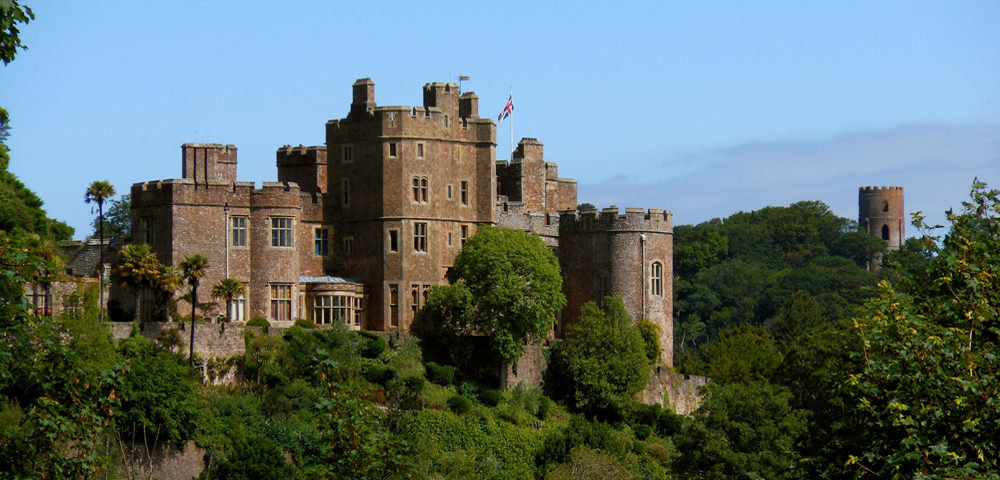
(208, 162)
(883, 189)
(654, 220)
(306, 154)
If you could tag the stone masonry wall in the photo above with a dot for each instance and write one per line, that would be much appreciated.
(675, 390)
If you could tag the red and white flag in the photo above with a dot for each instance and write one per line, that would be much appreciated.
(508, 110)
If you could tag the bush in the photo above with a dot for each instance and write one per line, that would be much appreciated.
(658, 452)
(490, 396)
(544, 407)
(443, 375)
(259, 322)
(525, 397)
(651, 339)
(372, 345)
(642, 432)
(469, 389)
(406, 391)
(301, 322)
(459, 404)
(380, 374)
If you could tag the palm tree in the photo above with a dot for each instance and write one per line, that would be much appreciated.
(98, 192)
(194, 268)
(138, 270)
(228, 288)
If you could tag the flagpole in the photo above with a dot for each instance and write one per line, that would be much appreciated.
(512, 126)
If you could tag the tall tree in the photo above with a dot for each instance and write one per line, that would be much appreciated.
(509, 287)
(12, 12)
(98, 192)
(138, 270)
(229, 289)
(117, 220)
(194, 267)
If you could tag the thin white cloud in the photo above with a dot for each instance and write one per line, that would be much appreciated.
(935, 164)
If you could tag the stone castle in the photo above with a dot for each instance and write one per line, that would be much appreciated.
(359, 229)
(881, 214)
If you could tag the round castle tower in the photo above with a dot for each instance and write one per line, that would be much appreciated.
(881, 214)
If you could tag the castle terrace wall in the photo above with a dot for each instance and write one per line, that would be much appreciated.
(161, 460)
(211, 340)
(681, 393)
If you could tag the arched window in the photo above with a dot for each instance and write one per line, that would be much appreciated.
(885, 232)
(656, 279)
(885, 205)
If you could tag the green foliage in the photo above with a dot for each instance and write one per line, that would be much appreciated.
(252, 458)
(505, 283)
(745, 268)
(11, 14)
(459, 404)
(586, 206)
(260, 322)
(471, 446)
(307, 324)
(741, 354)
(440, 374)
(405, 392)
(379, 374)
(229, 289)
(158, 393)
(651, 339)
(490, 396)
(407, 358)
(603, 358)
(372, 345)
(117, 220)
(925, 389)
(587, 464)
(742, 430)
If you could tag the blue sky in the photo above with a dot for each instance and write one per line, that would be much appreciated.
(703, 108)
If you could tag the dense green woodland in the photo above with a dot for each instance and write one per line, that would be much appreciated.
(820, 369)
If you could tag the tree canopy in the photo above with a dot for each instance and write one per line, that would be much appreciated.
(505, 284)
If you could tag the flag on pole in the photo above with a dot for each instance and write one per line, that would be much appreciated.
(508, 110)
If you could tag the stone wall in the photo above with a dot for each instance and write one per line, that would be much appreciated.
(675, 390)
(210, 339)
(163, 461)
(530, 368)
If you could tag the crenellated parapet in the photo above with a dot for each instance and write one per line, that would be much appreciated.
(306, 166)
(611, 220)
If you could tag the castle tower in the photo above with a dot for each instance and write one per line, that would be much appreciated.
(881, 214)
(629, 256)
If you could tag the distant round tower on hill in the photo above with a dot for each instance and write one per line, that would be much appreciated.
(881, 214)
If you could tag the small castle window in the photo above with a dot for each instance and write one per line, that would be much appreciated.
(463, 190)
(656, 279)
(392, 149)
(281, 231)
(602, 288)
(885, 205)
(445, 121)
(348, 154)
(146, 230)
(420, 237)
(348, 246)
(239, 232)
(420, 186)
(393, 240)
(420, 150)
(449, 191)
(281, 302)
(345, 189)
(414, 300)
(394, 305)
(885, 232)
(322, 242)
(464, 235)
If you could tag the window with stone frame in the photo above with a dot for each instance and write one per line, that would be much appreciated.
(463, 192)
(239, 230)
(348, 153)
(420, 150)
(146, 230)
(602, 288)
(348, 246)
(321, 242)
(238, 307)
(414, 302)
(328, 309)
(656, 279)
(393, 305)
(358, 312)
(281, 302)
(420, 187)
(420, 237)
(393, 240)
(392, 149)
(345, 191)
(463, 235)
(281, 231)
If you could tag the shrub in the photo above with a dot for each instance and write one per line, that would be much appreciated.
(544, 407)
(380, 374)
(642, 432)
(469, 389)
(658, 452)
(301, 322)
(443, 375)
(651, 339)
(259, 322)
(525, 397)
(169, 338)
(490, 396)
(372, 345)
(406, 391)
(459, 404)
